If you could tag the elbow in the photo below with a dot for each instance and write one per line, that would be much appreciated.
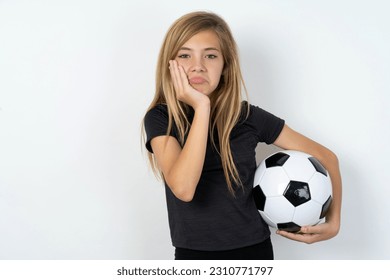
(182, 186)
(332, 158)
(329, 158)
(182, 191)
(184, 195)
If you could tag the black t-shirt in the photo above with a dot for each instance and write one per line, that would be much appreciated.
(216, 220)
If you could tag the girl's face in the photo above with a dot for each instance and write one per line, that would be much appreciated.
(202, 60)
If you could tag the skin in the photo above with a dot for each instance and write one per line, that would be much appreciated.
(196, 72)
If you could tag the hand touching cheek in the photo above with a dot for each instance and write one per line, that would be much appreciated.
(184, 91)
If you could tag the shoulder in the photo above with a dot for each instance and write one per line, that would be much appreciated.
(264, 124)
(156, 122)
(159, 109)
(250, 112)
(156, 117)
(155, 114)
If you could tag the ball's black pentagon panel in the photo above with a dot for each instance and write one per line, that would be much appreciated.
(291, 227)
(325, 207)
(318, 166)
(277, 159)
(297, 193)
(259, 198)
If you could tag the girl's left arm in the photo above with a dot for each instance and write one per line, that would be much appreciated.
(292, 140)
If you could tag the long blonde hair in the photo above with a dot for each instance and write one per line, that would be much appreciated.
(226, 100)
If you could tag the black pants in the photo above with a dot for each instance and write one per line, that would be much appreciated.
(260, 251)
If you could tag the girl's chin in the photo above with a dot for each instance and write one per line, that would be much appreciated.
(201, 90)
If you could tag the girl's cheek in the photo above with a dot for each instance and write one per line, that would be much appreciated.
(184, 65)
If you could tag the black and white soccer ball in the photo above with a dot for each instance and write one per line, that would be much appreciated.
(292, 189)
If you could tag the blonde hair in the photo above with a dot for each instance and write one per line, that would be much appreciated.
(226, 99)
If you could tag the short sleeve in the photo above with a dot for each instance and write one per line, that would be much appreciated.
(267, 126)
(156, 124)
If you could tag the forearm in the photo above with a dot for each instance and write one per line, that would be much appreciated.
(334, 214)
(184, 175)
(291, 140)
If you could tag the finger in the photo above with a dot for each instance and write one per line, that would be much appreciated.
(289, 235)
(174, 74)
(180, 83)
(183, 75)
(301, 237)
(178, 75)
(318, 229)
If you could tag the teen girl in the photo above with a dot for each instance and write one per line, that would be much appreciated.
(201, 137)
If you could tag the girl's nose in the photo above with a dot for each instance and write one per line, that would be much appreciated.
(197, 65)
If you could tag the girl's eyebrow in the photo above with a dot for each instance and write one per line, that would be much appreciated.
(206, 49)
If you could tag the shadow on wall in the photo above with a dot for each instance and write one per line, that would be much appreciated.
(263, 151)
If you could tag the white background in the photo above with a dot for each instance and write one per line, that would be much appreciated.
(77, 76)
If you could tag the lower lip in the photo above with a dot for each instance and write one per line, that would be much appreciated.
(197, 81)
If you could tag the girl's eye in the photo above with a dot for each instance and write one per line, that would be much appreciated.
(211, 56)
(183, 56)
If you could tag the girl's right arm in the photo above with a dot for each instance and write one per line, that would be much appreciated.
(182, 167)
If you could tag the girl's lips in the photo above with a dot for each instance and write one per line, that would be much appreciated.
(197, 80)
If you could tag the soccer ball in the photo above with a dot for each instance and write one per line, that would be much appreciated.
(292, 189)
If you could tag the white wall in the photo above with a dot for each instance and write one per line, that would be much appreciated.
(77, 76)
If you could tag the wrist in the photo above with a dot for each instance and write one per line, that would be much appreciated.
(202, 105)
